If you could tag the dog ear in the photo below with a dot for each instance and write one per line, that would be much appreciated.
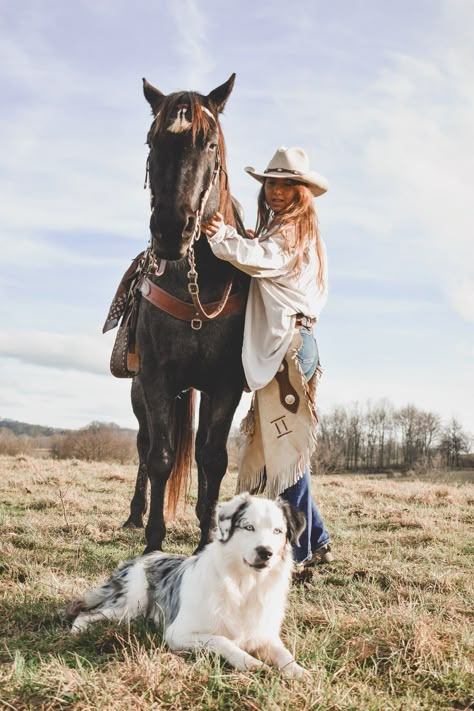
(295, 521)
(227, 513)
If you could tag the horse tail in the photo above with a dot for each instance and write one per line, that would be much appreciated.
(180, 476)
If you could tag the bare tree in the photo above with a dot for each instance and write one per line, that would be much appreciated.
(454, 443)
(97, 442)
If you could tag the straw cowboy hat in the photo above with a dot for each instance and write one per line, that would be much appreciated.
(292, 164)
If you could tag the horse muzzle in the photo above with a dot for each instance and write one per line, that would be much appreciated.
(170, 243)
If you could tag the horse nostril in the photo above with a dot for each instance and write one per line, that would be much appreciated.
(263, 552)
(190, 224)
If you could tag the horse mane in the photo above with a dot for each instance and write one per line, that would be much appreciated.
(201, 123)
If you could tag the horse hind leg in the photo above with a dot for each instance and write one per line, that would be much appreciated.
(138, 504)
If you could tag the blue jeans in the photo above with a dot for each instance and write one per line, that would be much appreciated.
(299, 495)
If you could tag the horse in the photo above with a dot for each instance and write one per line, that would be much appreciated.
(192, 340)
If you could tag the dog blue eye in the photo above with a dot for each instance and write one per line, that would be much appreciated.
(249, 527)
(277, 530)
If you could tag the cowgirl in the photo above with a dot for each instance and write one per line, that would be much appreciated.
(288, 265)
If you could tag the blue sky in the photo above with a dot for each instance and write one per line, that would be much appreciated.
(381, 96)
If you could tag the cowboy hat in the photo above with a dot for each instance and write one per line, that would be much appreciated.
(292, 164)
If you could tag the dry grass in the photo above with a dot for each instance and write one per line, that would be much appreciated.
(389, 625)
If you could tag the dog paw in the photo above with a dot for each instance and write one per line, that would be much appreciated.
(294, 671)
(251, 664)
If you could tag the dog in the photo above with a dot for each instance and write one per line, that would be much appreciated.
(229, 598)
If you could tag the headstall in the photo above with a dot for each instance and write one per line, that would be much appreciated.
(151, 265)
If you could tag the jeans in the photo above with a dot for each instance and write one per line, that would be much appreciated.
(299, 495)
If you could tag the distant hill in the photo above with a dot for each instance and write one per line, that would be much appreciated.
(24, 428)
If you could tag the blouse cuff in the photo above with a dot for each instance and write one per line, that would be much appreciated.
(219, 236)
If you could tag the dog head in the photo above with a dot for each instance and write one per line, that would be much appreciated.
(259, 531)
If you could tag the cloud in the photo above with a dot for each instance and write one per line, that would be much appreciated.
(192, 42)
(422, 146)
(65, 163)
(36, 252)
(63, 398)
(84, 352)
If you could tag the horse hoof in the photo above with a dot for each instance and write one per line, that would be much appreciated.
(133, 523)
(151, 549)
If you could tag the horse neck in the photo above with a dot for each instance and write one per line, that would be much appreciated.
(208, 266)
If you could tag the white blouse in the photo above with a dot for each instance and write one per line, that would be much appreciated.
(276, 295)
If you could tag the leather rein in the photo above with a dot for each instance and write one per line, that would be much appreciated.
(196, 313)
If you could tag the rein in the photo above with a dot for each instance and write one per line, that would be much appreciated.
(193, 286)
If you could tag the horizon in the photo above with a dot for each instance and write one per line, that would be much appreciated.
(361, 409)
(381, 97)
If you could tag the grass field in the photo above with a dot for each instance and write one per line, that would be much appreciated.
(388, 625)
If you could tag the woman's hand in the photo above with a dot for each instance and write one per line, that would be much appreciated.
(215, 223)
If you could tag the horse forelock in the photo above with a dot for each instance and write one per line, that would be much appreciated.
(183, 112)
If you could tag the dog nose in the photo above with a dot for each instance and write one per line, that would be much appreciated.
(263, 552)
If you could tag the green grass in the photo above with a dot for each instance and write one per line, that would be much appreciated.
(389, 625)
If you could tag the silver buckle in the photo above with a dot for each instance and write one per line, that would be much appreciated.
(196, 324)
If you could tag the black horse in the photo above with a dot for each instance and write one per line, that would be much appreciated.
(186, 352)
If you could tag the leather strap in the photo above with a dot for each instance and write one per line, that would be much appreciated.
(304, 321)
(183, 309)
(289, 398)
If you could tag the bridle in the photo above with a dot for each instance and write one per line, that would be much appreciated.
(152, 265)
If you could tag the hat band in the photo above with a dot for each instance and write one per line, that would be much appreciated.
(283, 170)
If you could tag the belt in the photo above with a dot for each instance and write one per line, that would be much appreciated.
(304, 321)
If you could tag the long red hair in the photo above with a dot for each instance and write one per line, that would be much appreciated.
(302, 217)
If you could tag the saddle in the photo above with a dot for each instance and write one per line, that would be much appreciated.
(125, 361)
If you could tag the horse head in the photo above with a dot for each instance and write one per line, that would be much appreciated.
(186, 166)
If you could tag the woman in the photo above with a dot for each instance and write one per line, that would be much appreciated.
(287, 260)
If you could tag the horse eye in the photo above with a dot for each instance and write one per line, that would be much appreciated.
(249, 527)
(213, 146)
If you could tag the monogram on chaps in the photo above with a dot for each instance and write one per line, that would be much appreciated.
(183, 313)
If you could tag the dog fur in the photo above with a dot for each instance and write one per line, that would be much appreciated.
(229, 598)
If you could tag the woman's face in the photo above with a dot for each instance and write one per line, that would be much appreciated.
(279, 194)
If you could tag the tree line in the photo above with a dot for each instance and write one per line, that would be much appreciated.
(369, 438)
(380, 437)
(97, 442)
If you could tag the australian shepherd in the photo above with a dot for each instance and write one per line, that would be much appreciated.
(229, 598)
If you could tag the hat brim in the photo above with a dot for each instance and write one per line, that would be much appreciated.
(317, 183)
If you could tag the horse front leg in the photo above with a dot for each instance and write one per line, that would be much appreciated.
(222, 405)
(160, 466)
(160, 461)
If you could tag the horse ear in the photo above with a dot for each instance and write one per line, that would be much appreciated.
(295, 521)
(218, 97)
(153, 96)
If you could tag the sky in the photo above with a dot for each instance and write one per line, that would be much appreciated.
(379, 94)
